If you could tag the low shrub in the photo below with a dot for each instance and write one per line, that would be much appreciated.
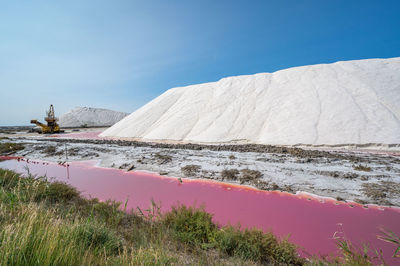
(108, 211)
(56, 192)
(8, 148)
(249, 175)
(162, 158)
(190, 170)
(255, 245)
(190, 225)
(230, 174)
(52, 151)
(379, 191)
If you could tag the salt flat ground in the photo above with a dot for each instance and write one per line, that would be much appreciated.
(364, 177)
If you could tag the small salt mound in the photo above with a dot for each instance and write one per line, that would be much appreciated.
(351, 102)
(91, 117)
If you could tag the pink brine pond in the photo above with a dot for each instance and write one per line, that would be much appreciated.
(312, 223)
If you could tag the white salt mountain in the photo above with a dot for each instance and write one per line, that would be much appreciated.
(351, 102)
(91, 117)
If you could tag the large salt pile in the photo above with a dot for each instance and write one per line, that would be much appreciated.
(352, 102)
(91, 117)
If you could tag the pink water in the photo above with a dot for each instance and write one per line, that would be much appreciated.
(310, 222)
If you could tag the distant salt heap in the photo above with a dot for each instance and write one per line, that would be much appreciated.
(352, 102)
(91, 117)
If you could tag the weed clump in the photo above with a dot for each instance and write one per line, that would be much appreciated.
(191, 225)
(52, 151)
(190, 170)
(337, 174)
(162, 158)
(249, 175)
(379, 191)
(231, 174)
(56, 192)
(257, 246)
(8, 148)
(361, 167)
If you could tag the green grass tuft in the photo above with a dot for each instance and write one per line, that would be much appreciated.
(98, 237)
(56, 192)
(255, 245)
(191, 225)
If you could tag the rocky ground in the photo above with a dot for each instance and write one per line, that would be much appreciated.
(363, 177)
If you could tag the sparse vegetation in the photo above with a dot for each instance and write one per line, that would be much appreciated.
(380, 191)
(190, 170)
(231, 174)
(162, 158)
(252, 177)
(361, 167)
(52, 151)
(337, 174)
(247, 175)
(75, 151)
(8, 148)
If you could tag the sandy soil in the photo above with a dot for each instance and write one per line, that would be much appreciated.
(364, 177)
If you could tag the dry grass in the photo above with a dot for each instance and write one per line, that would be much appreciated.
(361, 167)
(231, 174)
(162, 158)
(249, 175)
(191, 170)
(380, 191)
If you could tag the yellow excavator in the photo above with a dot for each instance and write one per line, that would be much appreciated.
(51, 119)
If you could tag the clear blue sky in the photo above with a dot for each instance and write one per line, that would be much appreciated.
(121, 54)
